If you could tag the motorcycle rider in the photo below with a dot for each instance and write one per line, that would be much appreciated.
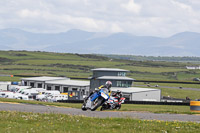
(118, 96)
(107, 85)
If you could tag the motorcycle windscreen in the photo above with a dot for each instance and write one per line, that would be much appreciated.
(104, 93)
(94, 96)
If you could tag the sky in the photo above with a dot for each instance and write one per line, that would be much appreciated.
(161, 18)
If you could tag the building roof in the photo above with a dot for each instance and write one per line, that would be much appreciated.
(69, 82)
(115, 78)
(44, 78)
(110, 69)
(133, 89)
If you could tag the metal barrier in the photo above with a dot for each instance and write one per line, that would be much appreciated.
(137, 102)
(195, 106)
(158, 103)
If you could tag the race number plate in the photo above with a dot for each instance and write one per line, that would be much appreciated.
(104, 95)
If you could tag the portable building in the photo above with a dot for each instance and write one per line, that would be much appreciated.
(139, 94)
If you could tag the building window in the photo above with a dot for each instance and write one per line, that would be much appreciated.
(65, 89)
(123, 84)
(83, 91)
(39, 85)
(48, 87)
(57, 88)
(25, 83)
(32, 84)
(77, 93)
(123, 74)
(74, 89)
(119, 83)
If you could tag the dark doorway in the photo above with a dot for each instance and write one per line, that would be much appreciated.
(65, 89)
(39, 85)
(48, 87)
(32, 85)
(57, 88)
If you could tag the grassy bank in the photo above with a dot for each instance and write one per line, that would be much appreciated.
(70, 105)
(79, 65)
(16, 122)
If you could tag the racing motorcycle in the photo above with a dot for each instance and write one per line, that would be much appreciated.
(96, 100)
(112, 103)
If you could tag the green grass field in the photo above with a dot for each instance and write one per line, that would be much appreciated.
(17, 122)
(77, 65)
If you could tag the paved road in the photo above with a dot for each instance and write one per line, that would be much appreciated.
(72, 111)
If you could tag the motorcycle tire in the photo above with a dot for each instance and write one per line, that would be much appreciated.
(99, 102)
(118, 107)
(101, 109)
(83, 108)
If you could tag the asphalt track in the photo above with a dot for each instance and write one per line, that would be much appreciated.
(72, 111)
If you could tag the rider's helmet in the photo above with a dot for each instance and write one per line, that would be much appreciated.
(108, 84)
(119, 92)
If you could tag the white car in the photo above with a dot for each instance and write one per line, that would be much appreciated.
(55, 98)
(3, 94)
(44, 95)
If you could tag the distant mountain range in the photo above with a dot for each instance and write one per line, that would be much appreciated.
(78, 41)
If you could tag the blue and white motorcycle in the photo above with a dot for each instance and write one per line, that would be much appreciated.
(96, 100)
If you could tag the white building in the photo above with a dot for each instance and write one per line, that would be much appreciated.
(139, 94)
(76, 89)
(193, 67)
(4, 86)
(39, 82)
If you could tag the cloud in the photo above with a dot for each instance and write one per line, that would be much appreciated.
(139, 17)
(131, 6)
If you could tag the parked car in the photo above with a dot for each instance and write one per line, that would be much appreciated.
(3, 94)
(196, 79)
(55, 98)
(44, 96)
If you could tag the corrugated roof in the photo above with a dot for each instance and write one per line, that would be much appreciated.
(115, 78)
(109, 69)
(69, 82)
(44, 78)
(133, 89)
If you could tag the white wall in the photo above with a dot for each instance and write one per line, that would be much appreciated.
(147, 96)
(4, 85)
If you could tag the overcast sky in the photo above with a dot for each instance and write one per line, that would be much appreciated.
(139, 17)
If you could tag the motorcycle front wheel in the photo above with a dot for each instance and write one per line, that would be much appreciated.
(83, 107)
(97, 104)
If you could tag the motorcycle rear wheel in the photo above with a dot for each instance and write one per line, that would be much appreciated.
(118, 107)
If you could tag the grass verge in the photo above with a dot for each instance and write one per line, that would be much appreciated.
(18, 122)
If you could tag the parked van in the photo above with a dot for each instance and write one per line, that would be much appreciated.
(20, 88)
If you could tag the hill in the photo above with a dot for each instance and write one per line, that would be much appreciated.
(154, 58)
(77, 41)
